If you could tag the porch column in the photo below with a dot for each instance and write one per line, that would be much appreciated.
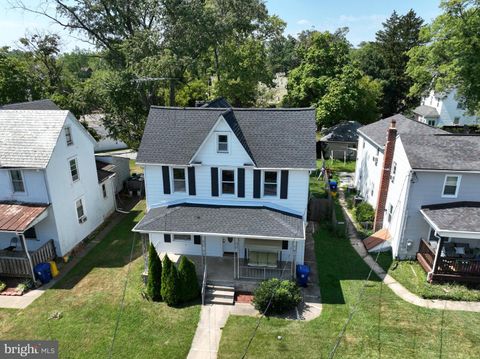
(294, 251)
(437, 255)
(25, 249)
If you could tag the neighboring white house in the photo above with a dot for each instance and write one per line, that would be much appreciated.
(443, 109)
(229, 185)
(52, 190)
(105, 142)
(424, 185)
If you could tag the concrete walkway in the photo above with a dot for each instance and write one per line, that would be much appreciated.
(23, 301)
(389, 281)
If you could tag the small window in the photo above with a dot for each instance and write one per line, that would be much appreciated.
(68, 136)
(104, 190)
(460, 105)
(30, 233)
(450, 187)
(390, 213)
(284, 245)
(375, 160)
(270, 183)
(17, 181)
(222, 143)
(74, 170)
(181, 237)
(431, 123)
(394, 172)
(456, 120)
(179, 182)
(80, 211)
(228, 182)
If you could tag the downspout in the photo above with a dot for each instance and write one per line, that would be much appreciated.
(403, 223)
(24, 244)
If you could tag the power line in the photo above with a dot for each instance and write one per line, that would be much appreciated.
(122, 302)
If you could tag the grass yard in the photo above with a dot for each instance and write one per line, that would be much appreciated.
(384, 325)
(89, 299)
(411, 275)
(338, 165)
(317, 186)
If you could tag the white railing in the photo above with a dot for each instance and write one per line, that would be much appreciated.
(204, 282)
(248, 272)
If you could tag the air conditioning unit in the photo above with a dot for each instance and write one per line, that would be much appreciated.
(82, 219)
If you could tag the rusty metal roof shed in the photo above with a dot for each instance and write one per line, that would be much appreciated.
(18, 217)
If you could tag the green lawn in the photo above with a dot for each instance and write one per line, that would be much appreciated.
(384, 324)
(317, 187)
(89, 297)
(411, 275)
(338, 166)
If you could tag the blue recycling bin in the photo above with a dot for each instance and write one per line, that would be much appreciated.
(303, 272)
(333, 185)
(43, 272)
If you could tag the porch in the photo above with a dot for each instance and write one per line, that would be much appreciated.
(452, 250)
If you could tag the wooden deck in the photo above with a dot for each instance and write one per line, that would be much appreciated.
(448, 269)
(15, 264)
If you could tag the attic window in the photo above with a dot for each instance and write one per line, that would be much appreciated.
(68, 136)
(222, 143)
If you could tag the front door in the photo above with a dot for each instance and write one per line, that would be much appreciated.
(228, 245)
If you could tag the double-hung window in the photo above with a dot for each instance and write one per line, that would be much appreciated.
(270, 183)
(228, 182)
(222, 143)
(68, 136)
(74, 169)
(450, 186)
(104, 190)
(179, 181)
(390, 213)
(182, 237)
(394, 172)
(80, 211)
(17, 181)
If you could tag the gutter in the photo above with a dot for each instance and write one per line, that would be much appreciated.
(403, 223)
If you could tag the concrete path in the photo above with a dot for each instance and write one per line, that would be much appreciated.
(21, 302)
(209, 331)
(388, 280)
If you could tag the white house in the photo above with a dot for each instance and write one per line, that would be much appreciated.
(423, 184)
(105, 141)
(229, 185)
(53, 193)
(443, 109)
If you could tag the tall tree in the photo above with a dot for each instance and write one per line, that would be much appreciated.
(449, 57)
(400, 33)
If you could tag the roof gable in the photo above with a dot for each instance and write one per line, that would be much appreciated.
(32, 105)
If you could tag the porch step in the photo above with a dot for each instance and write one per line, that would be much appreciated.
(219, 294)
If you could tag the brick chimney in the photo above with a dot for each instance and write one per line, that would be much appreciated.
(385, 176)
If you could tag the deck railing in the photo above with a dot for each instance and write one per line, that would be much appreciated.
(16, 264)
(204, 283)
(427, 252)
(249, 272)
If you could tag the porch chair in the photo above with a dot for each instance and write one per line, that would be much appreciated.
(13, 245)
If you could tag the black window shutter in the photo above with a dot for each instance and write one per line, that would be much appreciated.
(256, 183)
(241, 182)
(284, 245)
(166, 179)
(197, 240)
(192, 190)
(214, 172)
(284, 185)
(167, 238)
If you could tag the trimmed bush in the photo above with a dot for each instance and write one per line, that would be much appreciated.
(364, 212)
(187, 275)
(2, 286)
(154, 281)
(170, 287)
(286, 296)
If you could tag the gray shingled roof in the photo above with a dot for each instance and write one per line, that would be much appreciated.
(231, 220)
(32, 105)
(406, 128)
(95, 122)
(443, 152)
(426, 111)
(219, 102)
(345, 131)
(277, 138)
(28, 137)
(456, 216)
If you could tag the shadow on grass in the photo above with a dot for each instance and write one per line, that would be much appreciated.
(337, 261)
(112, 252)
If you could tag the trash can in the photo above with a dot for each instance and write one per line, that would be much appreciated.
(303, 271)
(333, 185)
(43, 272)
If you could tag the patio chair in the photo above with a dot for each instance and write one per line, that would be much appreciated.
(13, 245)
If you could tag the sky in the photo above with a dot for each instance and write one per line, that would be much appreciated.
(362, 17)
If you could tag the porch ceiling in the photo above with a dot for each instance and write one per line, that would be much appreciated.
(18, 217)
(242, 221)
(456, 219)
